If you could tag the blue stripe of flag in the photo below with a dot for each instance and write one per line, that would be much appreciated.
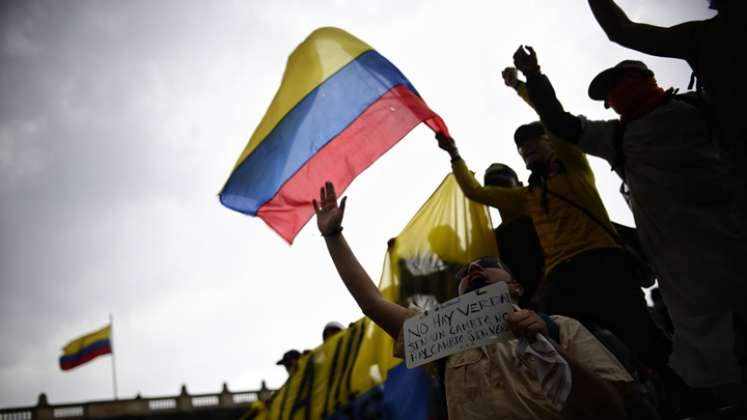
(86, 353)
(318, 118)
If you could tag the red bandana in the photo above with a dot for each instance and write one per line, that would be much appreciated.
(635, 97)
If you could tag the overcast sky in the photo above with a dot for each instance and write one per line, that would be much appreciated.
(120, 121)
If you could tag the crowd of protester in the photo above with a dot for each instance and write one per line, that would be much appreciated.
(575, 276)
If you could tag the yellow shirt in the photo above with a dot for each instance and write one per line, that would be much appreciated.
(564, 230)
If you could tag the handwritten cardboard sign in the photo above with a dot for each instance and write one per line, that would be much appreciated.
(471, 320)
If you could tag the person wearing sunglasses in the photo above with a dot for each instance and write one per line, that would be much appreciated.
(490, 381)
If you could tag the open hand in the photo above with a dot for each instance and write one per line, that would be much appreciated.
(525, 59)
(510, 77)
(328, 213)
(526, 323)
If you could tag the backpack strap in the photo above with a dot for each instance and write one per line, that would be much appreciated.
(615, 236)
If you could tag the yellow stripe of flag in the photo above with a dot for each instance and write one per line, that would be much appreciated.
(79, 343)
(319, 56)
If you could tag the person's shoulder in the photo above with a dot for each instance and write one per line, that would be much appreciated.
(515, 192)
(564, 320)
(689, 98)
(680, 106)
(586, 121)
(568, 326)
(567, 152)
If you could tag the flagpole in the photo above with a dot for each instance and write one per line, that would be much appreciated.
(111, 344)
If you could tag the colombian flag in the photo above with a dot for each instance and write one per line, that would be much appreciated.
(85, 348)
(340, 106)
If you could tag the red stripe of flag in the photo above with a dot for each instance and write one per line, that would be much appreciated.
(374, 132)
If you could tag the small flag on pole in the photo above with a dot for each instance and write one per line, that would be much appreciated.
(86, 348)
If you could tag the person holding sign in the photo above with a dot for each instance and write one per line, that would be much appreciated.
(491, 381)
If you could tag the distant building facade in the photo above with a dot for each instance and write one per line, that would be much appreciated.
(224, 405)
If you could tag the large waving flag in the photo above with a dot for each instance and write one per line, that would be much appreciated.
(340, 106)
(86, 348)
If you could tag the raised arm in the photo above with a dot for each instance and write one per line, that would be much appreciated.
(542, 96)
(679, 41)
(567, 151)
(387, 315)
(511, 79)
(506, 200)
(467, 182)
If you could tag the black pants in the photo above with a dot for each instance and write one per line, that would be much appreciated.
(598, 286)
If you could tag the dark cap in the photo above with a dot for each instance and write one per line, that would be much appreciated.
(331, 328)
(605, 80)
(524, 132)
(497, 173)
(288, 356)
